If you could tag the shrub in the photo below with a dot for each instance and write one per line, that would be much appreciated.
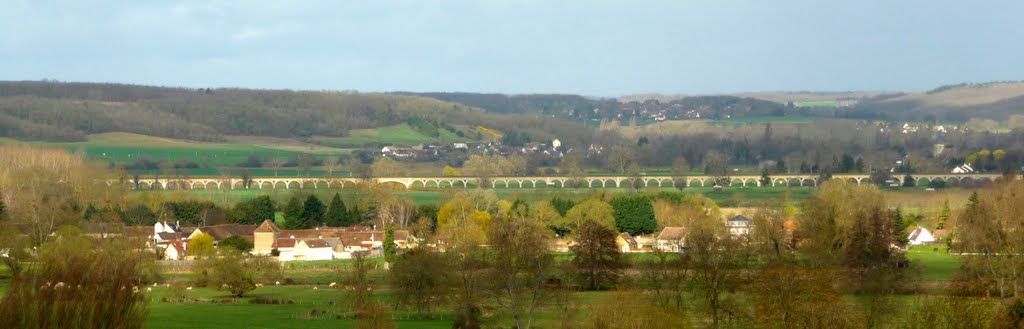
(229, 271)
(78, 283)
(236, 242)
(270, 301)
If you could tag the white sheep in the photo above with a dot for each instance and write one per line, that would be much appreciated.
(315, 288)
(59, 285)
(189, 288)
(333, 285)
(149, 289)
(277, 283)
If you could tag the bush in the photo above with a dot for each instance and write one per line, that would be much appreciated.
(78, 283)
(230, 271)
(270, 301)
(236, 242)
(937, 184)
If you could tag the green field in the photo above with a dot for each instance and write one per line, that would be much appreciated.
(937, 268)
(399, 135)
(936, 262)
(218, 310)
(728, 197)
(756, 120)
(127, 148)
(816, 104)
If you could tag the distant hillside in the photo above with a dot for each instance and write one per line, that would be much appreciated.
(573, 106)
(784, 97)
(64, 112)
(960, 103)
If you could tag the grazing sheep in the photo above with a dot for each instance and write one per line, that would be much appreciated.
(154, 284)
(59, 285)
(333, 285)
(259, 285)
(277, 283)
(189, 288)
(315, 288)
(167, 285)
(150, 289)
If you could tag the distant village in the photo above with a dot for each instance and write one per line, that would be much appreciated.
(170, 241)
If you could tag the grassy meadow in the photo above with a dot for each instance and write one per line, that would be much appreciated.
(315, 305)
(399, 135)
(127, 148)
(728, 197)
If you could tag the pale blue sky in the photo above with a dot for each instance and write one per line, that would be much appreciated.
(601, 48)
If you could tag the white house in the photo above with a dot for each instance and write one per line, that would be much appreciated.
(555, 144)
(671, 239)
(626, 242)
(176, 250)
(920, 235)
(285, 248)
(312, 249)
(963, 169)
(460, 146)
(739, 225)
(387, 150)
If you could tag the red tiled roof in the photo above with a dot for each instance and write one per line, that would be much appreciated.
(267, 226)
(316, 243)
(629, 238)
(672, 233)
(283, 243)
(221, 232)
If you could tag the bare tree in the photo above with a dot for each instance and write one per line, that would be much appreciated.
(521, 266)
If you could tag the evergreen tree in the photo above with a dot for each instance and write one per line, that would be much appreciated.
(313, 212)
(293, 213)
(355, 216)
(944, 214)
(766, 179)
(848, 164)
(389, 245)
(253, 211)
(899, 227)
(634, 214)
(562, 205)
(337, 213)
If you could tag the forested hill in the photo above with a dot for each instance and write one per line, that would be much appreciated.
(559, 105)
(575, 107)
(57, 111)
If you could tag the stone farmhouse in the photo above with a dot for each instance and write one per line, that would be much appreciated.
(322, 243)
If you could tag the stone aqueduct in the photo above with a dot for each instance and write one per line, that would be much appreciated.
(514, 182)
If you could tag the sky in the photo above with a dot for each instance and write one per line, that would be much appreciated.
(589, 47)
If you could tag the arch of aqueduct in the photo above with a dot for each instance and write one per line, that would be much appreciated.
(210, 183)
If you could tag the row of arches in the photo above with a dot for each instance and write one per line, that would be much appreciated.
(536, 182)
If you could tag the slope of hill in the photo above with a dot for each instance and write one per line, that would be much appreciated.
(784, 97)
(69, 112)
(549, 104)
(958, 103)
